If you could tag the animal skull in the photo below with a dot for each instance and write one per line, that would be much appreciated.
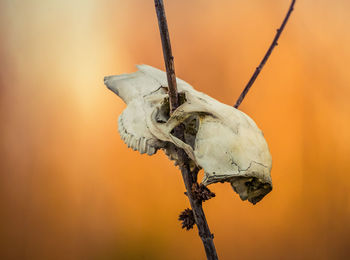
(220, 139)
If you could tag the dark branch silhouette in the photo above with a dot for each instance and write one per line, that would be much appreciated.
(189, 177)
(168, 56)
(266, 57)
(196, 193)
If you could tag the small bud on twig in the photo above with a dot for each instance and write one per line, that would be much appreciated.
(187, 219)
(201, 192)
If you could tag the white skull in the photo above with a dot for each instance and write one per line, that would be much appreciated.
(220, 139)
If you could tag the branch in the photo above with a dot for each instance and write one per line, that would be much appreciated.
(167, 53)
(266, 57)
(189, 177)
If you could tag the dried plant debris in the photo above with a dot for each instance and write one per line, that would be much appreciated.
(201, 192)
(221, 140)
(187, 219)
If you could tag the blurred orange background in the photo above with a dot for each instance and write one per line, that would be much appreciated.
(71, 189)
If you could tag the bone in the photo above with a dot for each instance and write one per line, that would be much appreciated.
(225, 142)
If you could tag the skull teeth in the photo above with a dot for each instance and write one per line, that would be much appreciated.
(143, 145)
(140, 144)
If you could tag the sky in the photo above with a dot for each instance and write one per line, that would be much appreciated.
(71, 189)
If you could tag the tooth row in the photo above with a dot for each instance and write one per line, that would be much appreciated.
(139, 144)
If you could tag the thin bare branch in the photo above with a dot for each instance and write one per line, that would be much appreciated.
(189, 177)
(168, 55)
(266, 57)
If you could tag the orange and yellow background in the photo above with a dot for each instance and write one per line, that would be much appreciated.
(71, 189)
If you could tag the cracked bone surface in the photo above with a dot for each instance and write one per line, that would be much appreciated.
(223, 141)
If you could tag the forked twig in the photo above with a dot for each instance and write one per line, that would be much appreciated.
(266, 57)
(189, 177)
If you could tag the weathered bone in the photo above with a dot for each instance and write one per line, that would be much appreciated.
(222, 140)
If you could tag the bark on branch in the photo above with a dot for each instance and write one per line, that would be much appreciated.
(189, 177)
(167, 54)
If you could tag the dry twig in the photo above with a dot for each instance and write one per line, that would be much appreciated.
(189, 177)
(195, 192)
(266, 57)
